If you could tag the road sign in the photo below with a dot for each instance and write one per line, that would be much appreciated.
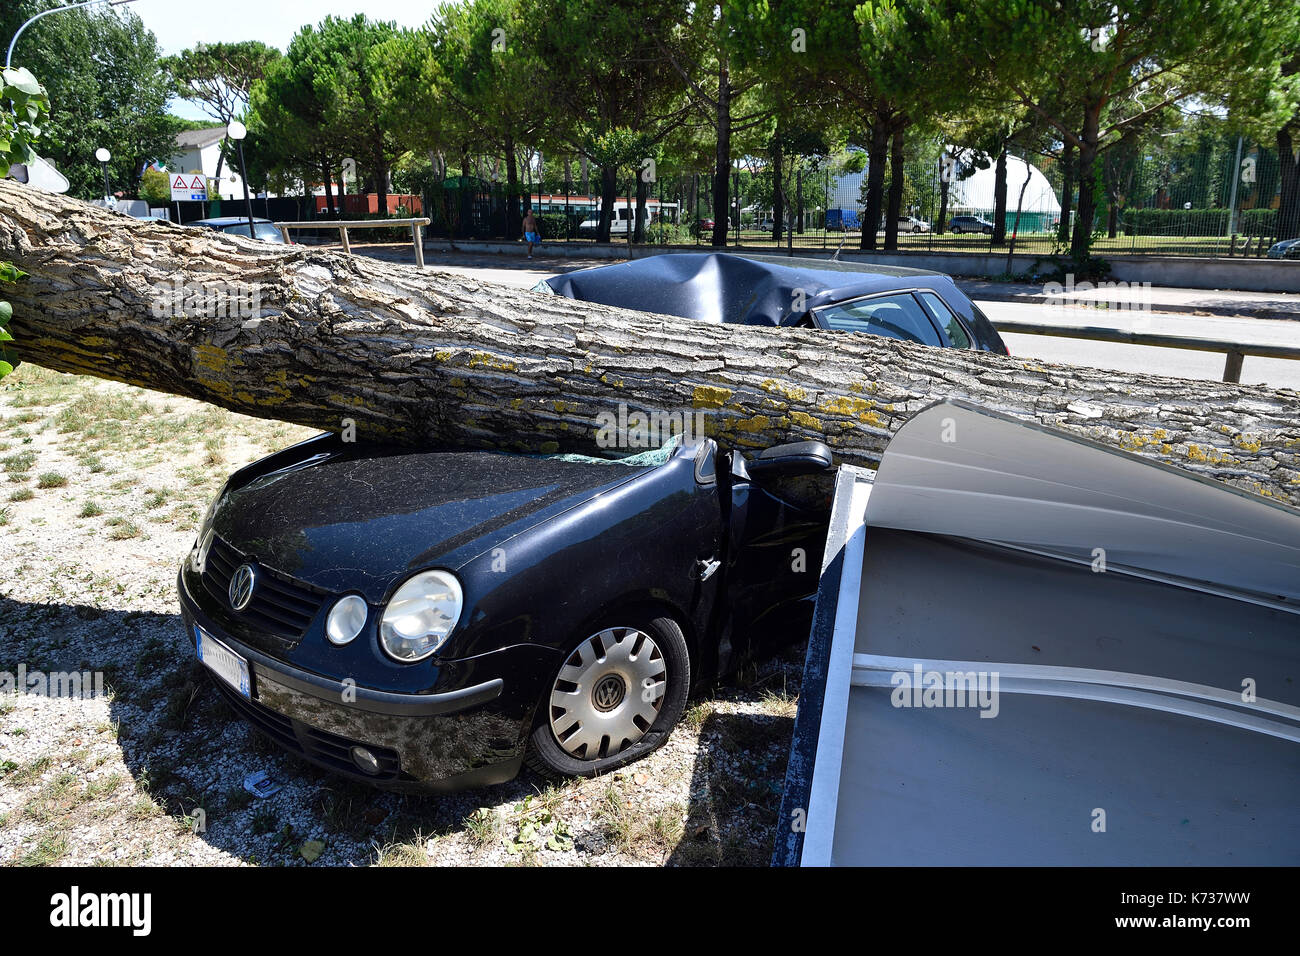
(188, 187)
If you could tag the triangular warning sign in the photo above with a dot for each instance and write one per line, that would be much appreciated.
(180, 183)
(198, 185)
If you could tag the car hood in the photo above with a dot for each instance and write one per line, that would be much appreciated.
(360, 518)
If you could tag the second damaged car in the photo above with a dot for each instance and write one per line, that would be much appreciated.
(434, 619)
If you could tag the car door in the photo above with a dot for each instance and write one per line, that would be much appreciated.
(775, 535)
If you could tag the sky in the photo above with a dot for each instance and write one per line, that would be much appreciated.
(274, 22)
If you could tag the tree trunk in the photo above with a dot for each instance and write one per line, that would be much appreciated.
(641, 189)
(513, 221)
(798, 199)
(329, 189)
(778, 193)
(877, 155)
(608, 196)
(942, 221)
(722, 160)
(442, 360)
(896, 180)
(1067, 193)
(1081, 240)
(1000, 198)
(1288, 209)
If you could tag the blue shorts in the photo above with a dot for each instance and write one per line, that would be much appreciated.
(533, 237)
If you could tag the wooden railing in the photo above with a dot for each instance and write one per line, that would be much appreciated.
(343, 225)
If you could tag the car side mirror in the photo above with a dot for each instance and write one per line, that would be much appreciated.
(787, 461)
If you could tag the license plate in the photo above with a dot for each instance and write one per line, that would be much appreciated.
(222, 661)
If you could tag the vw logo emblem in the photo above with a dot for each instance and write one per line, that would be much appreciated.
(608, 693)
(240, 591)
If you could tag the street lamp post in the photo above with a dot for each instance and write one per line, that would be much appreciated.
(237, 131)
(104, 156)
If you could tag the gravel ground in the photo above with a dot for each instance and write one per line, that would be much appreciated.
(101, 490)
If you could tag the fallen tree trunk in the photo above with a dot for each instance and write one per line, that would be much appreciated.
(429, 357)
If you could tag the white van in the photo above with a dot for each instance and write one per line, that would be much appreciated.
(623, 223)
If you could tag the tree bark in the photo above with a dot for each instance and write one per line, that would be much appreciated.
(513, 219)
(778, 191)
(1081, 240)
(722, 160)
(999, 237)
(877, 155)
(608, 196)
(1067, 193)
(896, 183)
(438, 359)
(1288, 208)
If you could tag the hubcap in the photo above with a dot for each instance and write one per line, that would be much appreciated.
(608, 693)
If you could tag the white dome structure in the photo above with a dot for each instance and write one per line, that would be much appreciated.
(975, 195)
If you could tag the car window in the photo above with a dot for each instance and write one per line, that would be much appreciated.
(265, 230)
(894, 316)
(945, 317)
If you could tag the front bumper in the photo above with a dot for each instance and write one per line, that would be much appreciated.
(470, 736)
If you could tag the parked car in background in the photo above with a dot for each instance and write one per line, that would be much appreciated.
(912, 224)
(961, 224)
(623, 223)
(238, 226)
(908, 304)
(1286, 249)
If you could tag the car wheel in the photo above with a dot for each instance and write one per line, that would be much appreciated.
(956, 230)
(916, 228)
(986, 230)
(616, 697)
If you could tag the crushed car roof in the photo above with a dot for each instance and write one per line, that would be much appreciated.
(744, 290)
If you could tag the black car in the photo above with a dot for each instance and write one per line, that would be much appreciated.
(961, 224)
(265, 230)
(908, 304)
(432, 619)
(1286, 249)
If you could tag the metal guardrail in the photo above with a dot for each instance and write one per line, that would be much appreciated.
(343, 225)
(1236, 352)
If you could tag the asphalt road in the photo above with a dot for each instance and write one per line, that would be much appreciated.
(1181, 363)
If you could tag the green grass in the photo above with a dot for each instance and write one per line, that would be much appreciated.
(19, 462)
(121, 529)
(91, 509)
(22, 494)
(49, 849)
(51, 479)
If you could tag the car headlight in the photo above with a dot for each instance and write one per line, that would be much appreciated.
(420, 616)
(346, 619)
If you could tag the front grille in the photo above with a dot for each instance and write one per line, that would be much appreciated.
(313, 743)
(280, 605)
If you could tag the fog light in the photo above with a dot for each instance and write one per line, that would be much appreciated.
(346, 619)
(366, 761)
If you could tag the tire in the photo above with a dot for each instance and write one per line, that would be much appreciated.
(591, 698)
(955, 230)
(986, 230)
(916, 229)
